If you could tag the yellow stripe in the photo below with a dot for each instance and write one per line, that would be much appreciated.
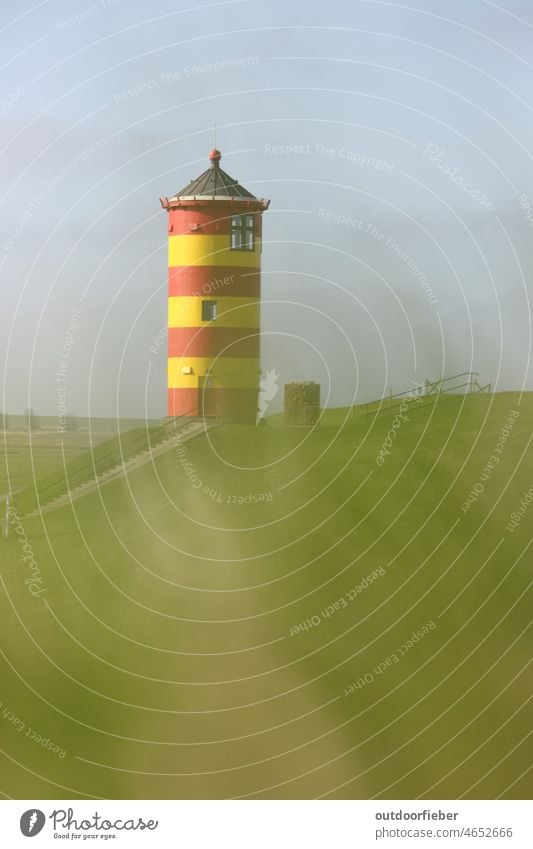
(210, 250)
(226, 372)
(186, 311)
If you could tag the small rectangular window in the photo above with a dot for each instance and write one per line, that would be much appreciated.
(209, 310)
(242, 232)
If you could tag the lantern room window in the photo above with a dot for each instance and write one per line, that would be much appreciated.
(209, 310)
(242, 232)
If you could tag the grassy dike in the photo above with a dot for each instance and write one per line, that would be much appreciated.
(163, 656)
(87, 465)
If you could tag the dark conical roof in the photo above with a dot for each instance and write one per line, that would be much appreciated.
(214, 182)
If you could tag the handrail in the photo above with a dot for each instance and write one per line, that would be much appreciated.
(432, 385)
(412, 409)
(91, 466)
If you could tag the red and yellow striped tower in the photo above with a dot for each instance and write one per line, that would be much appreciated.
(214, 291)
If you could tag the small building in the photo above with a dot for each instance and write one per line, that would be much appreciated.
(301, 403)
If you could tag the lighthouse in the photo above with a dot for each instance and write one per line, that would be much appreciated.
(214, 292)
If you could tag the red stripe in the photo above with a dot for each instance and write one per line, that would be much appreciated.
(182, 402)
(211, 341)
(239, 404)
(217, 222)
(207, 282)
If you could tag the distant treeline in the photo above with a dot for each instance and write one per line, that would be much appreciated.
(33, 421)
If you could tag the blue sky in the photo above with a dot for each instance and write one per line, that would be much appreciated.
(395, 144)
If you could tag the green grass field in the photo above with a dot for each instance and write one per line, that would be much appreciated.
(83, 465)
(40, 455)
(26, 456)
(164, 656)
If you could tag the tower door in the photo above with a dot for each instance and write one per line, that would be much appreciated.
(207, 397)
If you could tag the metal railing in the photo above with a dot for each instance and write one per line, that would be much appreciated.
(143, 442)
(428, 389)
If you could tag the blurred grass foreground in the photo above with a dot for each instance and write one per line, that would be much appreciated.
(335, 611)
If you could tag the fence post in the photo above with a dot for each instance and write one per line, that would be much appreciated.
(6, 519)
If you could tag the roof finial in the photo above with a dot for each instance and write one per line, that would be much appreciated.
(215, 156)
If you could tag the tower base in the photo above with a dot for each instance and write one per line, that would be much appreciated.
(237, 405)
